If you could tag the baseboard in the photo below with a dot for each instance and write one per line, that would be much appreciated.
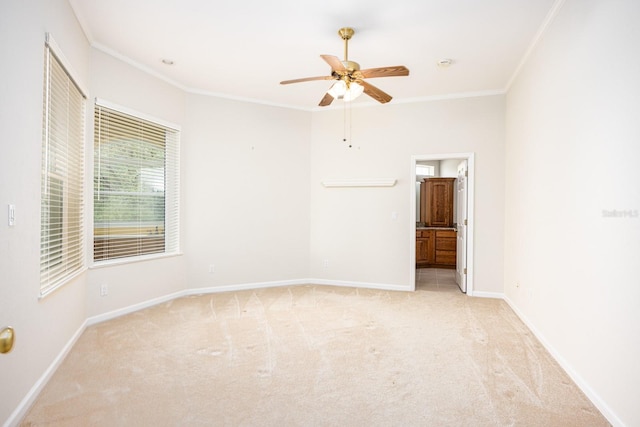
(247, 286)
(133, 308)
(367, 285)
(21, 410)
(258, 285)
(577, 379)
(481, 294)
(237, 287)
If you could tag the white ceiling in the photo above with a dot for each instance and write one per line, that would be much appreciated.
(243, 49)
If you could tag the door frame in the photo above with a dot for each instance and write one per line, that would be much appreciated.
(470, 158)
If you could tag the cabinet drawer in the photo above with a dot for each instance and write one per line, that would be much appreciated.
(445, 244)
(446, 257)
(446, 233)
(424, 233)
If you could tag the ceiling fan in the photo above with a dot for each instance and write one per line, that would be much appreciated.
(350, 78)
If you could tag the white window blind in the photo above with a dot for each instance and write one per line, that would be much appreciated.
(62, 212)
(136, 186)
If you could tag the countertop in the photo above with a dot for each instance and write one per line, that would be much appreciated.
(436, 228)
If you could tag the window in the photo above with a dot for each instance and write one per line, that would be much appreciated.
(425, 170)
(62, 213)
(136, 200)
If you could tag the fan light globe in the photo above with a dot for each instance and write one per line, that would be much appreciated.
(354, 91)
(340, 90)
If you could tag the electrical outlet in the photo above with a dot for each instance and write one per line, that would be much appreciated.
(212, 268)
(104, 290)
(325, 263)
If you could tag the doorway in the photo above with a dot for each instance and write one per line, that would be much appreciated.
(464, 234)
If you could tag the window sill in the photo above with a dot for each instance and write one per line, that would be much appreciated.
(52, 289)
(131, 260)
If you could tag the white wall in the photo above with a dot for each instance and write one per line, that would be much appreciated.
(43, 327)
(449, 168)
(246, 199)
(353, 228)
(129, 284)
(572, 124)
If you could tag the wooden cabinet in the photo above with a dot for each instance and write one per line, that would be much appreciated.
(436, 202)
(425, 247)
(436, 248)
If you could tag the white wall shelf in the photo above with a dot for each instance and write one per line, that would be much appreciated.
(360, 182)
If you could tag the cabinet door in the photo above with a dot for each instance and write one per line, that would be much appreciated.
(441, 204)
(421, 250)
(425, 247)
(423, 202)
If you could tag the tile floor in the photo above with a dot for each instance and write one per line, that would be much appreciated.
(436, 279)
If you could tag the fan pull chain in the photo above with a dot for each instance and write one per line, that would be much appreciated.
(350, 125)
(344, 123)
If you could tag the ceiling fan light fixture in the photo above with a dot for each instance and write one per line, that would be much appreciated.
(354, 91)
(350, 80)
(345, 91)
(338, 89)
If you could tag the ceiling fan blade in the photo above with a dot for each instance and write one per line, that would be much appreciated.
(326, 100)
(375, 93)
(307, 79)
(334, 62)
(398, 70)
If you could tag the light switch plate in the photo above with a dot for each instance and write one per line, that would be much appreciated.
(12, 215)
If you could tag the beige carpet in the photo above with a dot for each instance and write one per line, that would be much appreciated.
(314, 356)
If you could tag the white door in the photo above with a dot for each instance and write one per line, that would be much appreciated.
(461, 218)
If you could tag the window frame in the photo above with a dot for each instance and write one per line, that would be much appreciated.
(62, 261)
(171, 189)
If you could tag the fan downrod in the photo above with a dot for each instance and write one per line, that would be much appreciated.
(345, 34)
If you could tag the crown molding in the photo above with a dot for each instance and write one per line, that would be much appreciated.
(553, 12)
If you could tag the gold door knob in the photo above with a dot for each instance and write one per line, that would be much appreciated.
(6, 339)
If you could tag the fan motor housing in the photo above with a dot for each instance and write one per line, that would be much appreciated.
(351, 65)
